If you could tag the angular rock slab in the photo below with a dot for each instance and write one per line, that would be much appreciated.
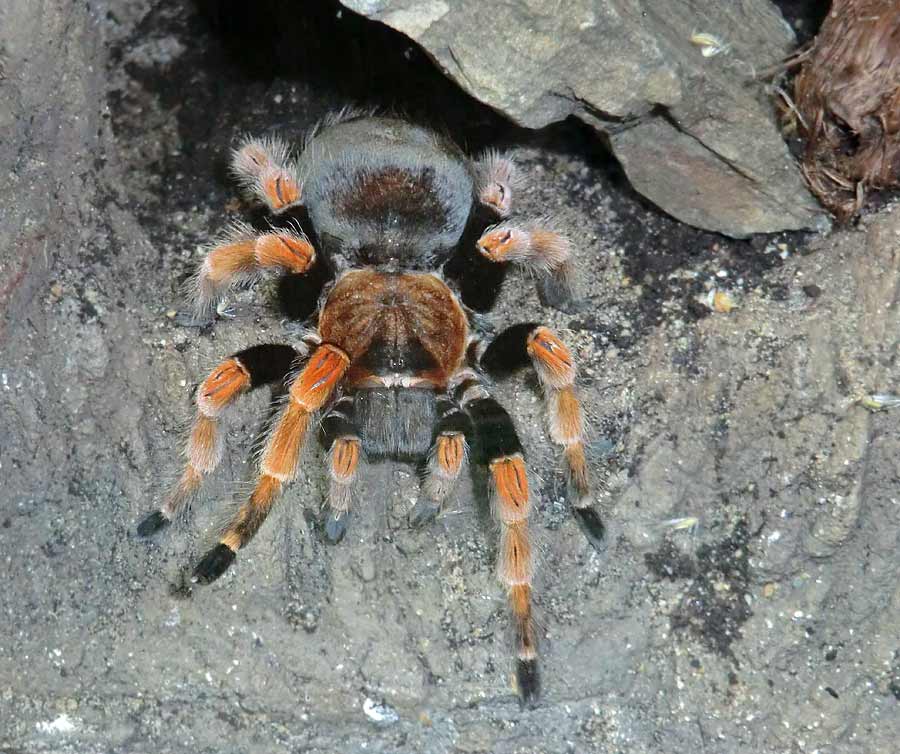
(694, 132)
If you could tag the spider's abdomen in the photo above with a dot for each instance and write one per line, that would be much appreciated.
(386, 193)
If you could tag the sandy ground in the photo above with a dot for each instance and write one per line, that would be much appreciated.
(747, 599)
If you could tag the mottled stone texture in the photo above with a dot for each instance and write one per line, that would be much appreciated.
(695, 134)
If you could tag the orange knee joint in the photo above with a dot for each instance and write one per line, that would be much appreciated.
(450, 453)
(290, 251)
(344, 458)
(317, 381)
(551, 358)
(226, 383)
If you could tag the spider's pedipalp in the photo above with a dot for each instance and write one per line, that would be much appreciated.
(242, 256)
(264, 364)
(341, 440)
(264, 169)
(496, 179)
(279, 461)
(446, 461)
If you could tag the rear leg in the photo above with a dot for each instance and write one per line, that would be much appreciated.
(264, 168)
(511, 504)
(242, 256)
(545, 253)
(531, 343)
(264, 364)
(340, 437)
(446, 461)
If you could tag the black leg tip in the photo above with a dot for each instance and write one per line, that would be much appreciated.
(336, 527)
(529, 682)
(152, 523)
(592, 526)
(213, 565)
(423, 512)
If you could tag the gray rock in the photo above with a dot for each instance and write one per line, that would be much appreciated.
(694, 131)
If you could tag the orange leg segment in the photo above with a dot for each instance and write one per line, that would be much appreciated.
(446, 461)
(258, 365)
(280, 459)
(264, 169)
(555, 367)
(343, 465)
(515, 568)
(243, 256)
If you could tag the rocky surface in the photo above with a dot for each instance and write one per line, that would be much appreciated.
(747, 599)
(673, 85)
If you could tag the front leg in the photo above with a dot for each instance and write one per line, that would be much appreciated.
(531, 343)
(280, 458)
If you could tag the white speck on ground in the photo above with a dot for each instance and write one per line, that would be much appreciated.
(379, 713)
(61, 725)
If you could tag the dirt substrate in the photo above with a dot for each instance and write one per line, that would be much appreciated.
(747, 599)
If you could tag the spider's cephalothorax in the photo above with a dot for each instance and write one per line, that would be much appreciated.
(392, 368)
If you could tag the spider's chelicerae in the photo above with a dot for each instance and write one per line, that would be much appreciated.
(399, 219)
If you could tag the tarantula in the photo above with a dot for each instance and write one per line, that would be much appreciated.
(399, 219)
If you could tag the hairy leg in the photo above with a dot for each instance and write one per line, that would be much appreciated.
(446, 461)
(264, 169)
(544, 252)
(340, 438)
(264, 364)
(501, 451)
(242, 256)
(541, 347)
(309, 391)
